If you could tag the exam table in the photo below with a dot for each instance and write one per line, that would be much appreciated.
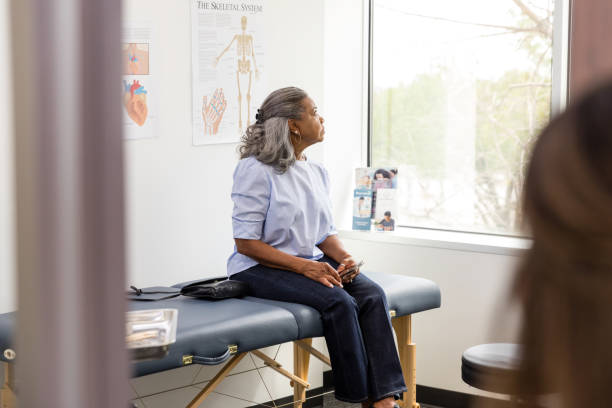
(224, 331)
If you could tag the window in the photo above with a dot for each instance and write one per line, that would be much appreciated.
(459, 92)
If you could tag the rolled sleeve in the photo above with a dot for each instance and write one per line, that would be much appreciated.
(251, 197)
(332, 231)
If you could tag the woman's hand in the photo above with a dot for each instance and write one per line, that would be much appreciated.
(321, 272)
(348, 269)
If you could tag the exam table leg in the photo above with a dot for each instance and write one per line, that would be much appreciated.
(212, 384)
(407, 352)
(7, 395)
(301, 360)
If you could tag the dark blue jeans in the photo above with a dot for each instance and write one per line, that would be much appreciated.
(356, 325)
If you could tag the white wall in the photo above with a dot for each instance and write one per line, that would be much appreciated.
(8, 300)
(178, 195)
(344, 98)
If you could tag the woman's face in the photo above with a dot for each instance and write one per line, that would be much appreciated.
(310, 125)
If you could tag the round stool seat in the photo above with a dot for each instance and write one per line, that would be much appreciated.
(491, 367)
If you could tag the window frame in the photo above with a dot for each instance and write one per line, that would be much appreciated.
(559, 93)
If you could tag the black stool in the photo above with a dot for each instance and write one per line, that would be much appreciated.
(491, 367)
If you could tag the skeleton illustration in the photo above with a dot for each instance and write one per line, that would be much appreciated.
(245, 51)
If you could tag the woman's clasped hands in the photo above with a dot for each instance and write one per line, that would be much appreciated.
(325, 274)
(321, 272)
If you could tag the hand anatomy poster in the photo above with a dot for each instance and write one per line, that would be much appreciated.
(228, 68)
(138, 87)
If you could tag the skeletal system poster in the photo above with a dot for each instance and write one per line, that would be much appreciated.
(228, 68)
(138, 87)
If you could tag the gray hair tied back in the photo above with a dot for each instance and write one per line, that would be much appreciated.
(268, 139)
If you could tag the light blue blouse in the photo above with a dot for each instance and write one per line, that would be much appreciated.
(290, 211)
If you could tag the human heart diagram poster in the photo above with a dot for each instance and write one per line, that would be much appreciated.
(139, 94)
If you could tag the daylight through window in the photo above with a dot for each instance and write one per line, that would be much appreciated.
(460, 90)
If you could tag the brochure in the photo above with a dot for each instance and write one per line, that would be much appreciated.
(362, 208)
(376, 179)
(386, 209)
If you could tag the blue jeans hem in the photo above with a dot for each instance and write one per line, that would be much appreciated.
(352, 401)
(395, 394)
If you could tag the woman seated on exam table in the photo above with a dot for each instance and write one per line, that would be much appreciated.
(565, 282)
(287, 248)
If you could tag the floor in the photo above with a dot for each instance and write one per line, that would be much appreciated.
(330, 402)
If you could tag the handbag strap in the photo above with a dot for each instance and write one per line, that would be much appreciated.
(141, 294)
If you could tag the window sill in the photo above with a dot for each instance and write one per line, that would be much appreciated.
(452, 240)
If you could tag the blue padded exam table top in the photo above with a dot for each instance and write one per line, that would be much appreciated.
(207, 328)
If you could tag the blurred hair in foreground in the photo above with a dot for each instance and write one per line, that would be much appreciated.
(564, 283)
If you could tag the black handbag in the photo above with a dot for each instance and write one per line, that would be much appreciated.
(211, 289)
(220, 289)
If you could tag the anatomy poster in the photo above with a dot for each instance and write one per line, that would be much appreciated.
(228, 68)
(138, 86)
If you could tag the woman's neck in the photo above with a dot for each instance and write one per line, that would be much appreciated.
(299, 152)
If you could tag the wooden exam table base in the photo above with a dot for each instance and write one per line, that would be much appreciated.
(7, 395)
(302, 350)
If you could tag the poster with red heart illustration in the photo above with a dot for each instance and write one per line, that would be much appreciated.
(138, 84)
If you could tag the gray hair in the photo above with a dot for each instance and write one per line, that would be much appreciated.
(268, 140)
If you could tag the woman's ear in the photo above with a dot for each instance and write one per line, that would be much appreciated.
(293, 128)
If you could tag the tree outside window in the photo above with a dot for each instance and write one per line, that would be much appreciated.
(460, 92)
